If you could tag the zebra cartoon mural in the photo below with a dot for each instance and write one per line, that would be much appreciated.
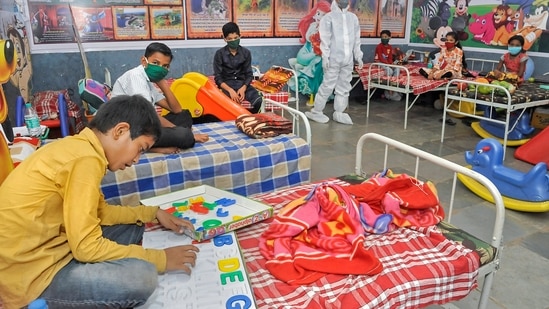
(428, 9)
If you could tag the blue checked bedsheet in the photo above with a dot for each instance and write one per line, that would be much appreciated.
(230, 160)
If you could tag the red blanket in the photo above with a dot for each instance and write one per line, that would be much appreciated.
(315, 235)
(410, 201)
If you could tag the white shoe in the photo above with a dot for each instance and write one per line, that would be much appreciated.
(343, 118)
(317, 116)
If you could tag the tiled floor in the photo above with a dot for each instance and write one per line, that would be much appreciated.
(523, 279)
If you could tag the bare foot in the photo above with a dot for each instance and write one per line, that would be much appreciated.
(201, 138)
(165, 150)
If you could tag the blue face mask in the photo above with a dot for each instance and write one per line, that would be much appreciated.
(514, 50)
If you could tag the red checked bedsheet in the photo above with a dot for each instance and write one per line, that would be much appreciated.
(421, 267)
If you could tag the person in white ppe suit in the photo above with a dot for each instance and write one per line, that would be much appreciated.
(340, 45)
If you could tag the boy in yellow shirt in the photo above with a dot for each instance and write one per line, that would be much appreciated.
(61, 241)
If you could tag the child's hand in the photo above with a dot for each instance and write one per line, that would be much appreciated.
(201, 138)
(241, 94)
(234, 96)
(173, 223)
(181, 258)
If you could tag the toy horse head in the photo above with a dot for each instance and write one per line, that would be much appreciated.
(488, 153)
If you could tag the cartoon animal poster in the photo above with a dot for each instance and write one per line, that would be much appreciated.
(484, 24)
(13, 27)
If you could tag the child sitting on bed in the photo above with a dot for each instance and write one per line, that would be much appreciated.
(514, 60)
(62, 242)
(384, 54)
(144, 80)
(449, 64)
(233, 69)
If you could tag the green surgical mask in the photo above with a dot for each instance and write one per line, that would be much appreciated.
(155, 72)
(384, 41)
(233, 44)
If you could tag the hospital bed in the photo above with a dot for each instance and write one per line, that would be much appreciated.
(410, 81)
(422, 266)
(527, 96)
(229, 160)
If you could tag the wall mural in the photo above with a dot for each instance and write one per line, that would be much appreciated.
(13, 28)
(484, 24)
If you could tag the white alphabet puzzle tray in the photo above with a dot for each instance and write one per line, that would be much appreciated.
(218, 280)
(212, 211)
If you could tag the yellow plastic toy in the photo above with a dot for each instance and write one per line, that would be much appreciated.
(485, 134)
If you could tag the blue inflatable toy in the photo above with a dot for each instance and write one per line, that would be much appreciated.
(487, 159)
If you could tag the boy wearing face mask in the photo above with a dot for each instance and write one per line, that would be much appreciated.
(384, 54)
(233, 69)
(515, 59)
(145, 80)
(340, 45)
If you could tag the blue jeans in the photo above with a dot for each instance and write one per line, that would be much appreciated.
(392, 71)
(123, 283)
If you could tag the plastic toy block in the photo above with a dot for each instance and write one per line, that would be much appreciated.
(221, 213)
(179, 204)
(225, 202)
(182, 208)
(171, 210)
(199, 209)
(237, 218)
(210, 206)
(197, 200)
(211, 223)
(199, 229)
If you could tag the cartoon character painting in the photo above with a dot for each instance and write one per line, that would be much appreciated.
(533, 26)
(501, 19)
(308, 62)
(462, 10)
(444, 12)
(428, 10)
(8, 62)
(488, 23)
(23, 67)
(482, 28)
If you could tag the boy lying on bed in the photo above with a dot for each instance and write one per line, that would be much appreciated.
(145, 80)
(61, 241)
